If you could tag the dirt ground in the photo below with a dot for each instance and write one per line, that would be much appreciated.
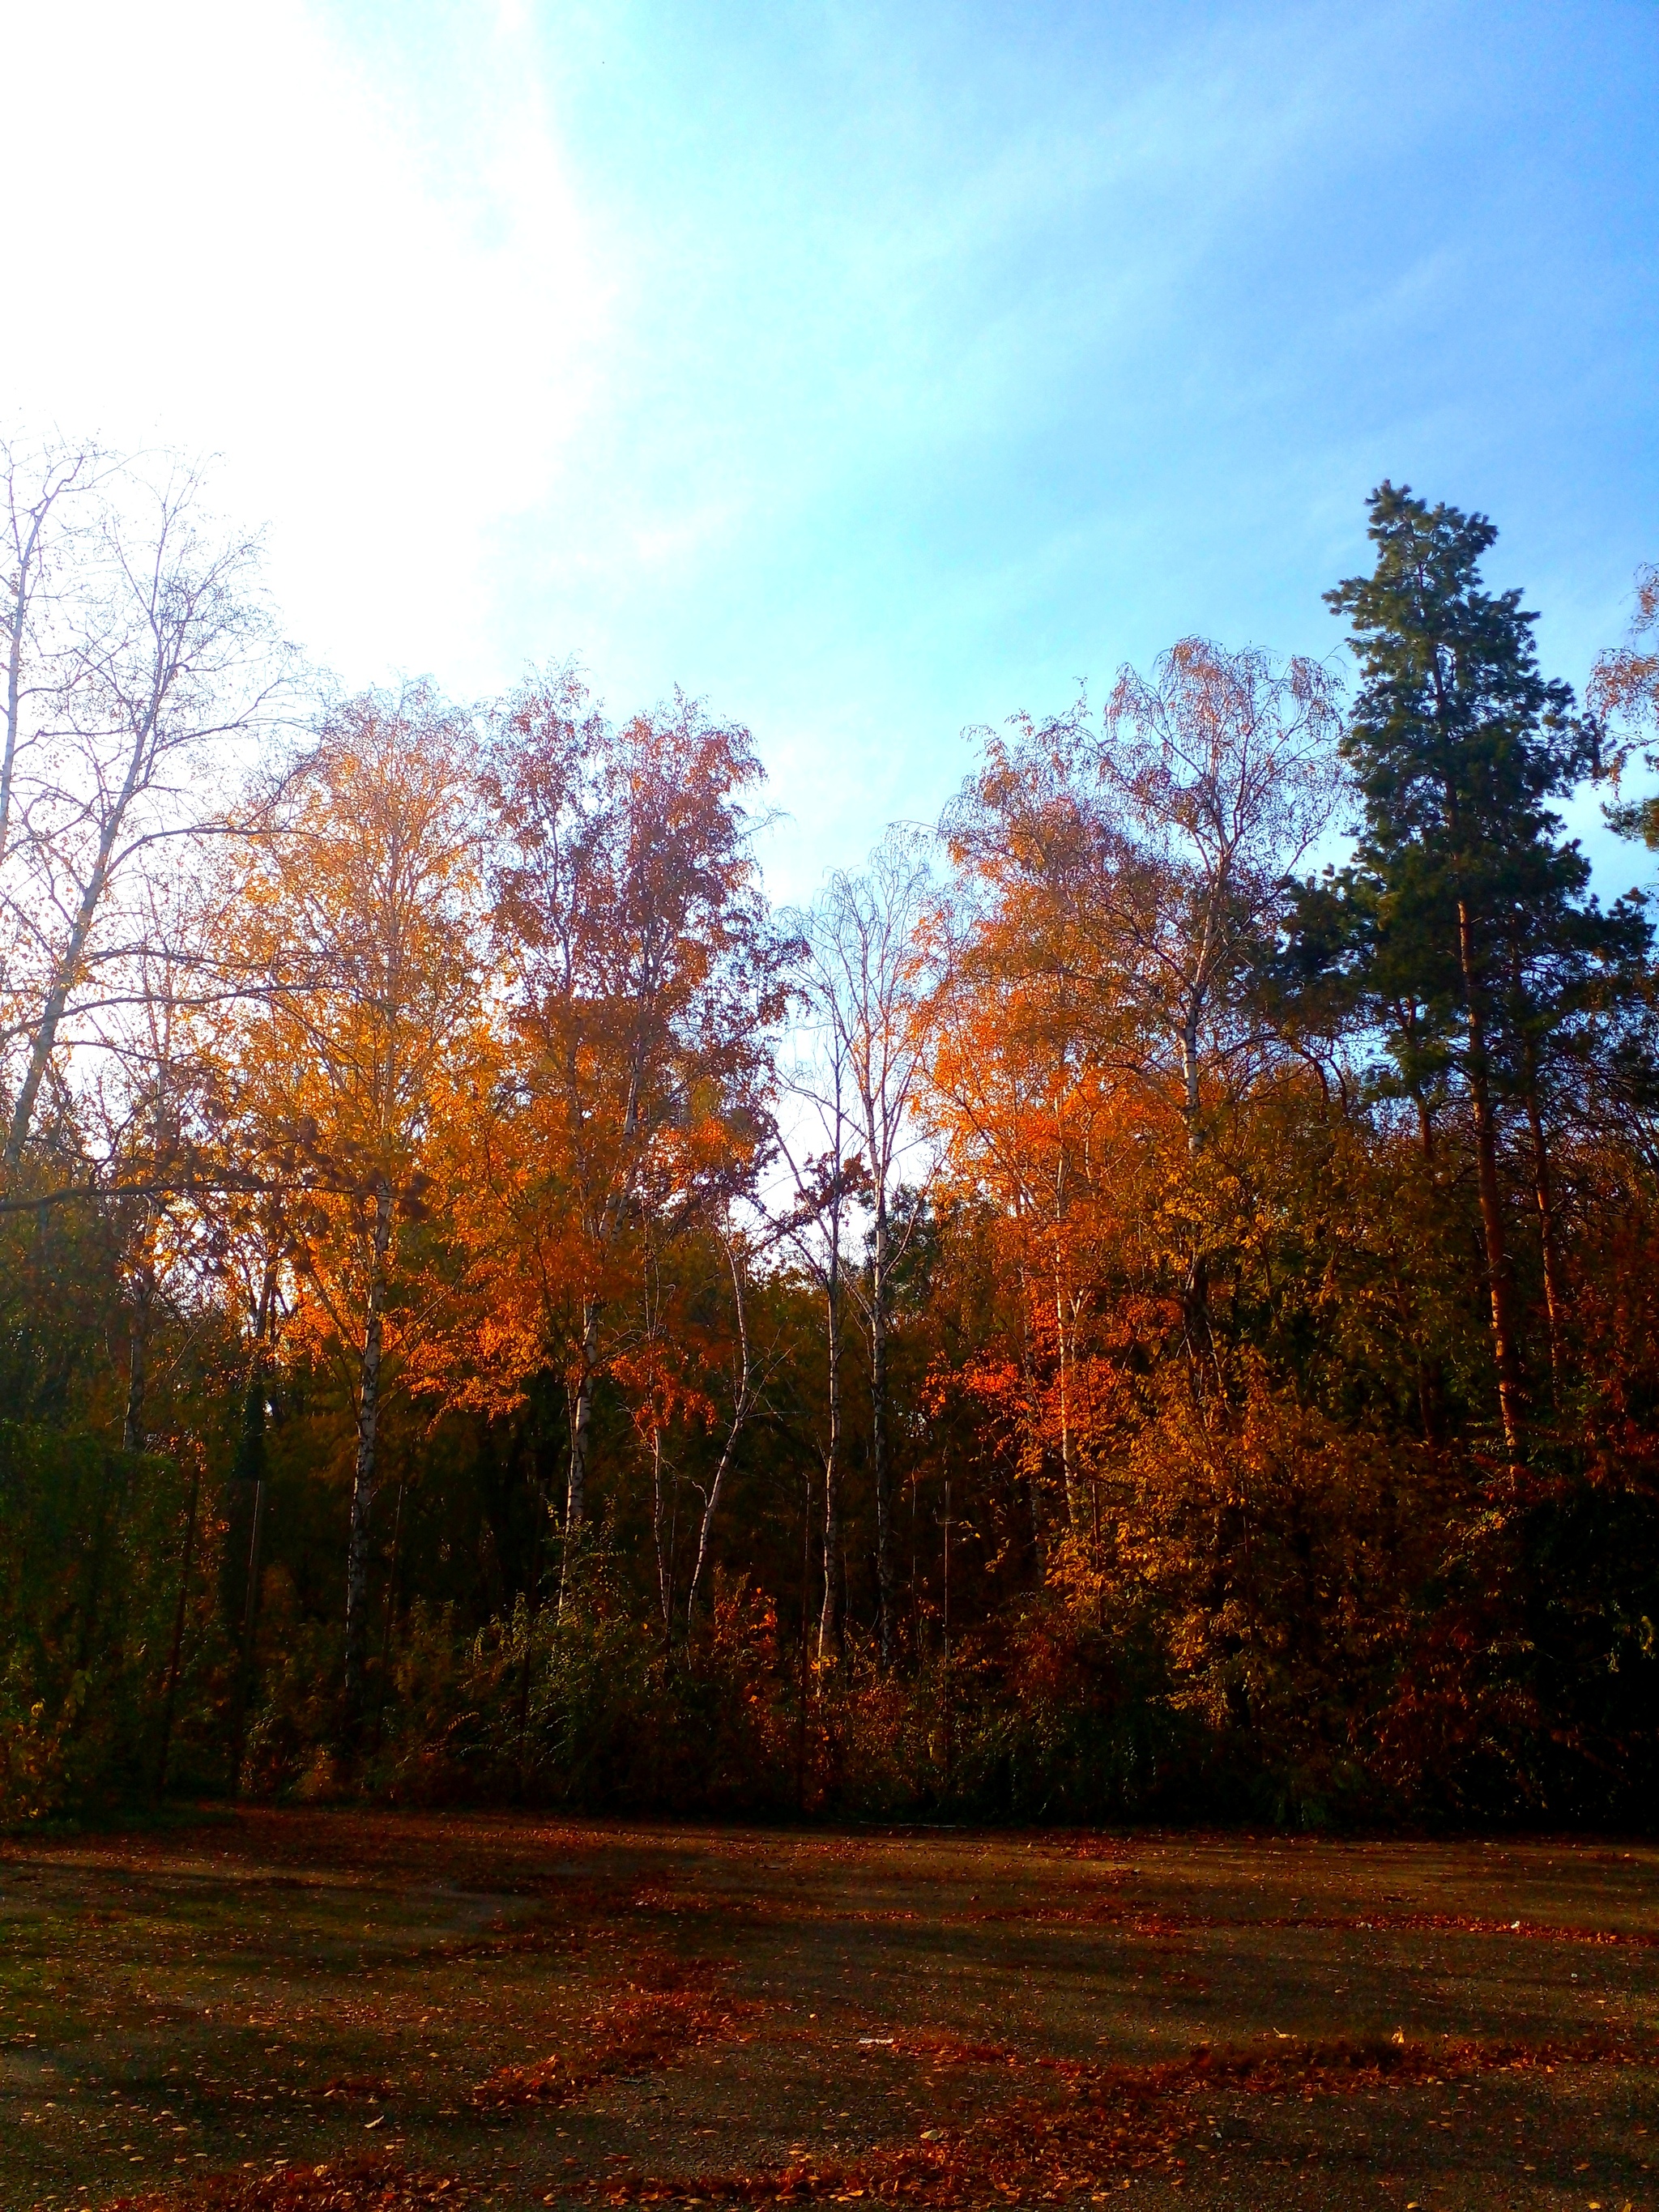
(325, 2012)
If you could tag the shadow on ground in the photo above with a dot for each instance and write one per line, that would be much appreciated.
(327, 2012)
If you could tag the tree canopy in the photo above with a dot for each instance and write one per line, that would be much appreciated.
(1142, 1300)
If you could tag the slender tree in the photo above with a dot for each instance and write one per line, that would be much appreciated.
(824, 1185)
(864, 981)
(40, 486)
(163, 655)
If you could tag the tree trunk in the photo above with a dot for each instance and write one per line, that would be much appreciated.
(362, 1486)
(1505, 1356)
(175, 1658)
(878, 1465)
(1031, 1453)
(45, 1035)
(45, 1041)
(19, 615)
(582, 1422)
(661, 1537)
(249, 1467)
(1424, 1126)
(1544, 1198)
(132, 1426)
(804, 1686)
(946, 1626)
(1066, 1473)
(830, 1625)
(742, 1400)
(1192, 1094)
(387, 1614)
(250, 1632)
(540, 1491)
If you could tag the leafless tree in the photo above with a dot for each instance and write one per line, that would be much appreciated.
(157, 653)
(40, 482)
(865, 987)
(148, 1111)
(818, 1143)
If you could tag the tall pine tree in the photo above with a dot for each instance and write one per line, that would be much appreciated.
(1464, 901)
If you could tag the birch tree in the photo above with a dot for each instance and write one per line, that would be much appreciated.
(41, 486)
(156, 656)
(818, 1143)
(362, 902)
(865, 983)
(1138, 877)
(641, 976)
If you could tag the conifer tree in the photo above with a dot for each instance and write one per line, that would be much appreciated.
(1467, 903)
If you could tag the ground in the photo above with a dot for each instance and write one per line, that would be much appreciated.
(326, 2012)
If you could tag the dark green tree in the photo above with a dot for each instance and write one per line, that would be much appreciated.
(1464, 927)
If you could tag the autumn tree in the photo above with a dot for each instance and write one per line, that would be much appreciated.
(1220, 767)
(414, 1109)
(1132, 881)
(1030, 1125)
(360, 906)
(640, 977)
(1623, 691)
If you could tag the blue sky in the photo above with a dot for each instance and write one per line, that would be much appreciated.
(871, 371)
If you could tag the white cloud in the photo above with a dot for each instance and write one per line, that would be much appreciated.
(235, 240)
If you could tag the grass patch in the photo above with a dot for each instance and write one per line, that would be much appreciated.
(279, 2012)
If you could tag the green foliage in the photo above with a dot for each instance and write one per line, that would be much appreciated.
(1462, 897)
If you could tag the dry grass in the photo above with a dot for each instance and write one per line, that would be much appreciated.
(1111, 2121)
(358, 2012)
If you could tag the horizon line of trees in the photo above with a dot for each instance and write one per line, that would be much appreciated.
(1096, 1313)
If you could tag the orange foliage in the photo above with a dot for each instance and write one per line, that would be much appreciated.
(638, 978)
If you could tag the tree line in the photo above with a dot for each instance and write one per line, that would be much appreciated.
(1138, 1299)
